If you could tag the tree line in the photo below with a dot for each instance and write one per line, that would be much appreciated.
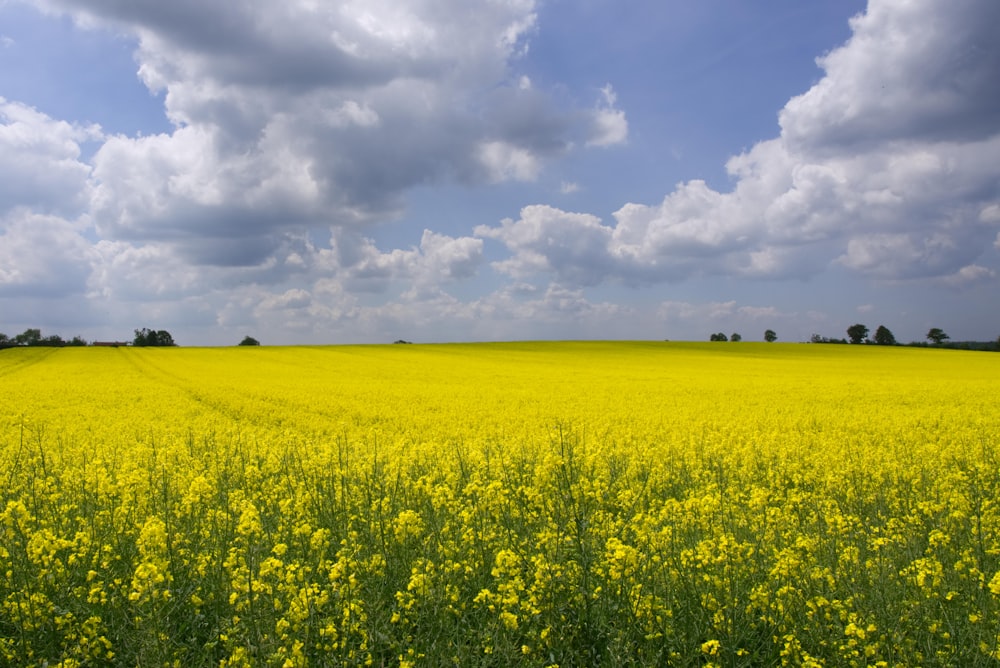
(144, 337)
(858, 334)
(33, 337)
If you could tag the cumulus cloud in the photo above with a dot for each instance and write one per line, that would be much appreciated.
(42, 256)
(609, 123)
(438, 260)
(44, 189)
(40, 165)
(886, 167)
(912, 71)
(969, 275)
(298, 115)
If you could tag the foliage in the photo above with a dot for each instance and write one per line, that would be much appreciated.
(770, 335)
(816, 338)
(735, 337)
(718, 337)
(33, 337)
(936, 335)
(29, 337)
(148, 337)
(506, 504)
(884, 337)
(857, 333)
(249, 341)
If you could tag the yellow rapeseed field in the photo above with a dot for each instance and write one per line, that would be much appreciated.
(540, 504)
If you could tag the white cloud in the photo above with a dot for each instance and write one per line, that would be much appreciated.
(40, 165)
(969, 275)
(299, 115)
(892, 184)
(439, 259)
(913, 71)
(573, 246)
(504, 162)
(42, 256)
(609, 123)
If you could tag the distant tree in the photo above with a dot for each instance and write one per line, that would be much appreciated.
(53, 340)
(402, 341)
(736, 337)
(149, 337)
(163, 338)
(936, 335)
(29, 337)
(770, 336)
(249, 341)
(4, 339)
(77, 341)
(143, 337)
(884, 337)
(857, 333)
(718, 337)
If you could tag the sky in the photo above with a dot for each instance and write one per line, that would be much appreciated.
(309, 172)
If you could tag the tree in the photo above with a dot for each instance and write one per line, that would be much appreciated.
(937, 335)
(4, 339)
(78, 341)
(718, 337)
(163, 338)
(736, 337)
(857, 333)
(770, 336)
(249, 341)
(29, 337)
(884, 337)
(149, 337)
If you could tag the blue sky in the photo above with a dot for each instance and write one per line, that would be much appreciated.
(438, 170)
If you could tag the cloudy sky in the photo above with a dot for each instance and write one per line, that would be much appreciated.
(439, 170)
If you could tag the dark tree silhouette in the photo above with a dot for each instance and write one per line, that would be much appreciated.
(884, 337)
(249, 341)
(857, 333)
(937, 335)
(29, 337)
(149, 337)
(770, 336)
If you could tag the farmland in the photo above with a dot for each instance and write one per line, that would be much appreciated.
(576, 503)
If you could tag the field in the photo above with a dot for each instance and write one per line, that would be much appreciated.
(539, 504)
